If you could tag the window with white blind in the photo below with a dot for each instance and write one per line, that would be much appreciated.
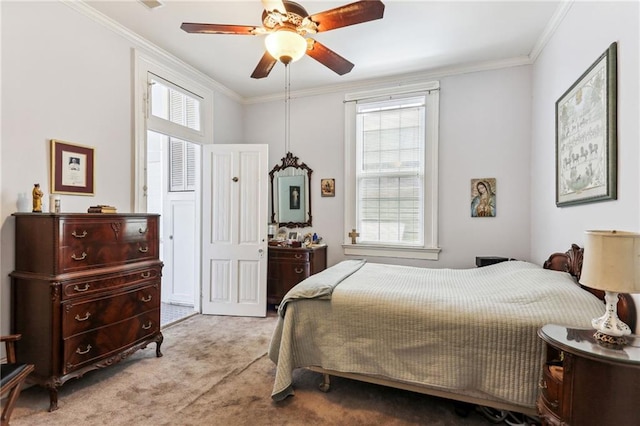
(391, 171)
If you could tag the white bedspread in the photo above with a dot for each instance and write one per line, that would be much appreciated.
(471, 331)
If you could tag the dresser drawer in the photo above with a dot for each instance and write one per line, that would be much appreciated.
(98, 255)
(90, 347)
(95, 241)
(79, 231)
(289, 255)
(78, 317)
(88, 286)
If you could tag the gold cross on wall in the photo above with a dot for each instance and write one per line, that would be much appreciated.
(353, 234)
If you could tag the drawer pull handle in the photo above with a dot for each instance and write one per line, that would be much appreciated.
(82, 257)
(85, 288)
(86, 351)
(542, 384)
(298, 256)
(143, 249)
(142, 231)
(146, 326)
(146, 274)
(147, 299)
(84, 234)
(84, 318)
(299, 271)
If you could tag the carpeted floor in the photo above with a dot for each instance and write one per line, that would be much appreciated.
(215, 371)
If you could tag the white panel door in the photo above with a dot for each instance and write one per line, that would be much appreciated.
(234, 229)
(180, 272)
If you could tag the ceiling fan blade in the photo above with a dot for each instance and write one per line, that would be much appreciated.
(218, 28)
(274, 5)
(329, 58)
(264, 66)
(349, 14)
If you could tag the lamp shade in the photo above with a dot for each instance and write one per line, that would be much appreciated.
(286, 45)
(612, 261)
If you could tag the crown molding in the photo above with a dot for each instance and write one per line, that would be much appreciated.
(82, 7)
(142, 43)
(397, 79)
(550, 29)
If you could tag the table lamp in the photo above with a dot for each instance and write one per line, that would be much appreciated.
(611, 263)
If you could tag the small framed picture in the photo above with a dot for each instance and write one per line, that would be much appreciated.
(328, 187)
(293, 236)
(72, 168)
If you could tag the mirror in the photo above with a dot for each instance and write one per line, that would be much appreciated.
(290, 193)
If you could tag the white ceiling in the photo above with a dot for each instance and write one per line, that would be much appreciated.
(414, 37)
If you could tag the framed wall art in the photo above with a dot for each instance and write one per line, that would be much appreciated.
(72, 168)
(483, 197)
(586, 135)
(328, 187)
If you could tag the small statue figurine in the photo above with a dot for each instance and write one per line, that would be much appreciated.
(37, 198)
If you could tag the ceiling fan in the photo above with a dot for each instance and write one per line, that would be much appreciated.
(287, 24)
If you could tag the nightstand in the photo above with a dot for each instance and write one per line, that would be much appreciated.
(489, 260)
(287, 266)
(584, 383)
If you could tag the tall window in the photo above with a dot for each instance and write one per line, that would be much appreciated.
(391, 170)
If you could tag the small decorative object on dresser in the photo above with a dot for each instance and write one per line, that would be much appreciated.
(37, 198)
(288, 266)
(584, 383)
(85, 292)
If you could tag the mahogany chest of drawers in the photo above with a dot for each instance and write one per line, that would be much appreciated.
(85, 292)
(288, 266)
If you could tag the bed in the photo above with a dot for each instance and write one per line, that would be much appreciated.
(465, 334)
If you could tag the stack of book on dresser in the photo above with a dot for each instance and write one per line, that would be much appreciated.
(101, 208)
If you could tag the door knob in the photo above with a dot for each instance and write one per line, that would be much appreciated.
(235, 179)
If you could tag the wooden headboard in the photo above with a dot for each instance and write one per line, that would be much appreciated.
(571, 262)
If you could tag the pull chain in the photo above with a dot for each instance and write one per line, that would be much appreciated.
(287, 109)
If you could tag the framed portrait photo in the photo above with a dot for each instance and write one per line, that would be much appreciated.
(328, 187)
(72, 168)
(586, 135)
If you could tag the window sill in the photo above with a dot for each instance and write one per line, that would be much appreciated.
(387, 251)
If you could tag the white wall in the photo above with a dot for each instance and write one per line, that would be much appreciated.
(585, 33)
(66, 77)
(484, 132)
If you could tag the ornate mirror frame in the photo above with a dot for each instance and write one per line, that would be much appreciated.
(291, 181)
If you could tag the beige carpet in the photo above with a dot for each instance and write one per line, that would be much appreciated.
(215, 371)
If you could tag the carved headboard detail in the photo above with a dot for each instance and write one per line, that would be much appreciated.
(571, 262)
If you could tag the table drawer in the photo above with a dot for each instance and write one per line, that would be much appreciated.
(92, 346)
(98, 283)
(551, 387)
(79, 317)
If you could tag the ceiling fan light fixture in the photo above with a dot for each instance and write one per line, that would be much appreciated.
(286, 45)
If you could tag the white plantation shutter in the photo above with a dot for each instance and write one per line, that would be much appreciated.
(174, 104)
(182, 163)
(176, 112)
(390, 153)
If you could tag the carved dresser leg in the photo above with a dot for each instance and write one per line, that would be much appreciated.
(159, 340)
(53, 398)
